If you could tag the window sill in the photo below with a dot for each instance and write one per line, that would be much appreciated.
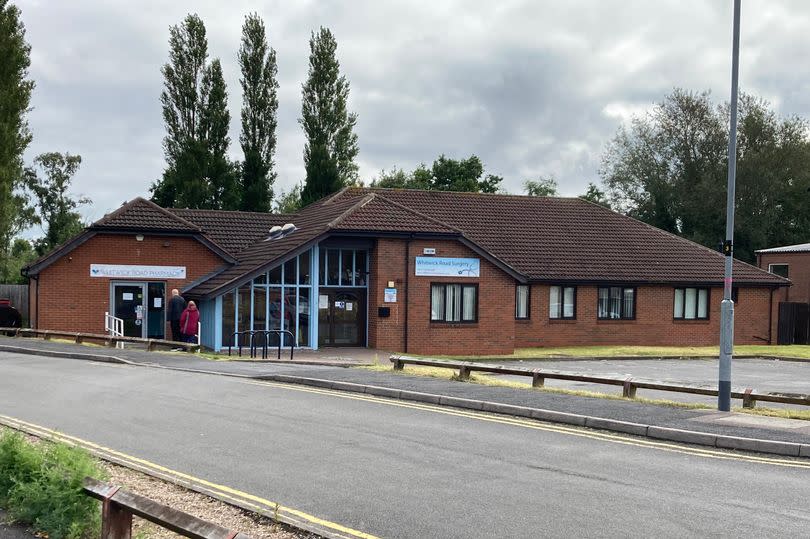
(522, 320)
(562, 320)
(442, 323)
(691, 320)
(614, 320)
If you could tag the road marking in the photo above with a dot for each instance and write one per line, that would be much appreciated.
(217, 489)
(540, 425)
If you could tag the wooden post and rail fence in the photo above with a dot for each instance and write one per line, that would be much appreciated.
(119, 506)
(629, 385)
(108, 340)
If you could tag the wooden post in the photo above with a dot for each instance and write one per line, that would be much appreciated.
(116, 522)
(629, 389)
(398, 365)
(748, 400)
(538, 380)
(464, 373)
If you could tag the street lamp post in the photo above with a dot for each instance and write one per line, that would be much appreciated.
(727, 309)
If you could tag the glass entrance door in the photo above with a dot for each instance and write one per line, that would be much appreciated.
(341, 317)
(128, 305)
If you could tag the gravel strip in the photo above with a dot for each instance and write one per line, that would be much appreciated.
(196, 504)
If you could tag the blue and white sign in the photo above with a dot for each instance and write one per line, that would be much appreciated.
(431, 266)
(126, 271)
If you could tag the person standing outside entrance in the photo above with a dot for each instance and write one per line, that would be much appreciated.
(176, 307)
(188, 323)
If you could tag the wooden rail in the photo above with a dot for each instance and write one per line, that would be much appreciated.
(118, 506)
(629, 385)
(109, 340)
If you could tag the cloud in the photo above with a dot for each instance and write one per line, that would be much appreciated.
(533, 88)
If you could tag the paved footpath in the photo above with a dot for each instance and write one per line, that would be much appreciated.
(708, 421)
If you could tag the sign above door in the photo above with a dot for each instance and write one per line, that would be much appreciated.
(125, 271)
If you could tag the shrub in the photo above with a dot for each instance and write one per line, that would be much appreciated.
(19, 461)
(46, 490)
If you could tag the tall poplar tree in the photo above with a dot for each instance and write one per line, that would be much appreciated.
(331, 145)
(198, 173)
(259, 115)
(15, 96)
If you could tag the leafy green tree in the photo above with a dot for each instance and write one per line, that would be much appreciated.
(289, 201)
(444, 175)
(21, 254)
(259, 115)
(596, 195)
(195, 111)
(668, 168)
(541, 187)
(328, 126)
(15, 97)
(56, 208)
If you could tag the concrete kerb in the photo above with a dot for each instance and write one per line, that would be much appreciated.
(650, 431)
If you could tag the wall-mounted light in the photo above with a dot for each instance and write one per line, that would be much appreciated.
(139, 237)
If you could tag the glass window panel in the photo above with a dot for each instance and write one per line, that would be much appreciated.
(332, 267)
(289, 312)
(703, 303)
(302, 329)
(274, 313)
(522, 302)
(261, 279)
(437, 302)
(678, 308)
(554, 302)
(303, 268)
(347, 267)
(322, 266)
(629, 303)
(615, 302)
(228, 317)
(243, 313)
(781, 270)
(259, 308)
(360, 268)
(468, 302)
(275, 275)
(453, 304)
(568, 302)
(690, 303)
(604, 302)
(290, 271)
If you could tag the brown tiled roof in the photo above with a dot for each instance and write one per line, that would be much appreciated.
(377, 213)
(142, 214)
(233, 230)
(570, 239)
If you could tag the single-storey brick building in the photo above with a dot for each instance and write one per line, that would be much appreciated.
(791, 262)
(405, 270)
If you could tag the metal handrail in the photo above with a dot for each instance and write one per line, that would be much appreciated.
(115, 327)
(237, 337)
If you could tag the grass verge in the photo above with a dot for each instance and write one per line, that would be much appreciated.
(41, 486)
(449, 374)
(789, 351)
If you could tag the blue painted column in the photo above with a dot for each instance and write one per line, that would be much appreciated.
(313, 300)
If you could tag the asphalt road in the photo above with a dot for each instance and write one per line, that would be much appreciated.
(761, 374)
(396, 470)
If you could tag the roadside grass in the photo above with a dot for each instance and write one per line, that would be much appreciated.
(449, 374)
(41, 486)
(789, 351)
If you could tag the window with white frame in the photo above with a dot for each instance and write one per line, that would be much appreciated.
(522, 301)
(781, 270)
(450, 302)
(691, 304)
(616, 303)
(562, 302)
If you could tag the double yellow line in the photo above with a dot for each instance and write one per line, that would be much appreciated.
(221, 492)
(543, 426)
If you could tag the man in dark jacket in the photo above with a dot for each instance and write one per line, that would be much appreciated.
(176, 307)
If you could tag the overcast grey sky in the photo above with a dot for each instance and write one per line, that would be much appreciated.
(531, 87)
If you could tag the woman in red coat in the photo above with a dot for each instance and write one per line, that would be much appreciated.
(188, 322)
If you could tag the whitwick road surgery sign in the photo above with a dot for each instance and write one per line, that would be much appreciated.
(124, 271)
(447, 267)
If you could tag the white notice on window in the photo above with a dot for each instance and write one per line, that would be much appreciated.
(158, 303)
(323, 301)
(349, 306)
(127, 296)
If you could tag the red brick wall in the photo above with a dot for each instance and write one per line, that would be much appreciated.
(654, 324)
(492, 334)
(798, 273)
(71, 300)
